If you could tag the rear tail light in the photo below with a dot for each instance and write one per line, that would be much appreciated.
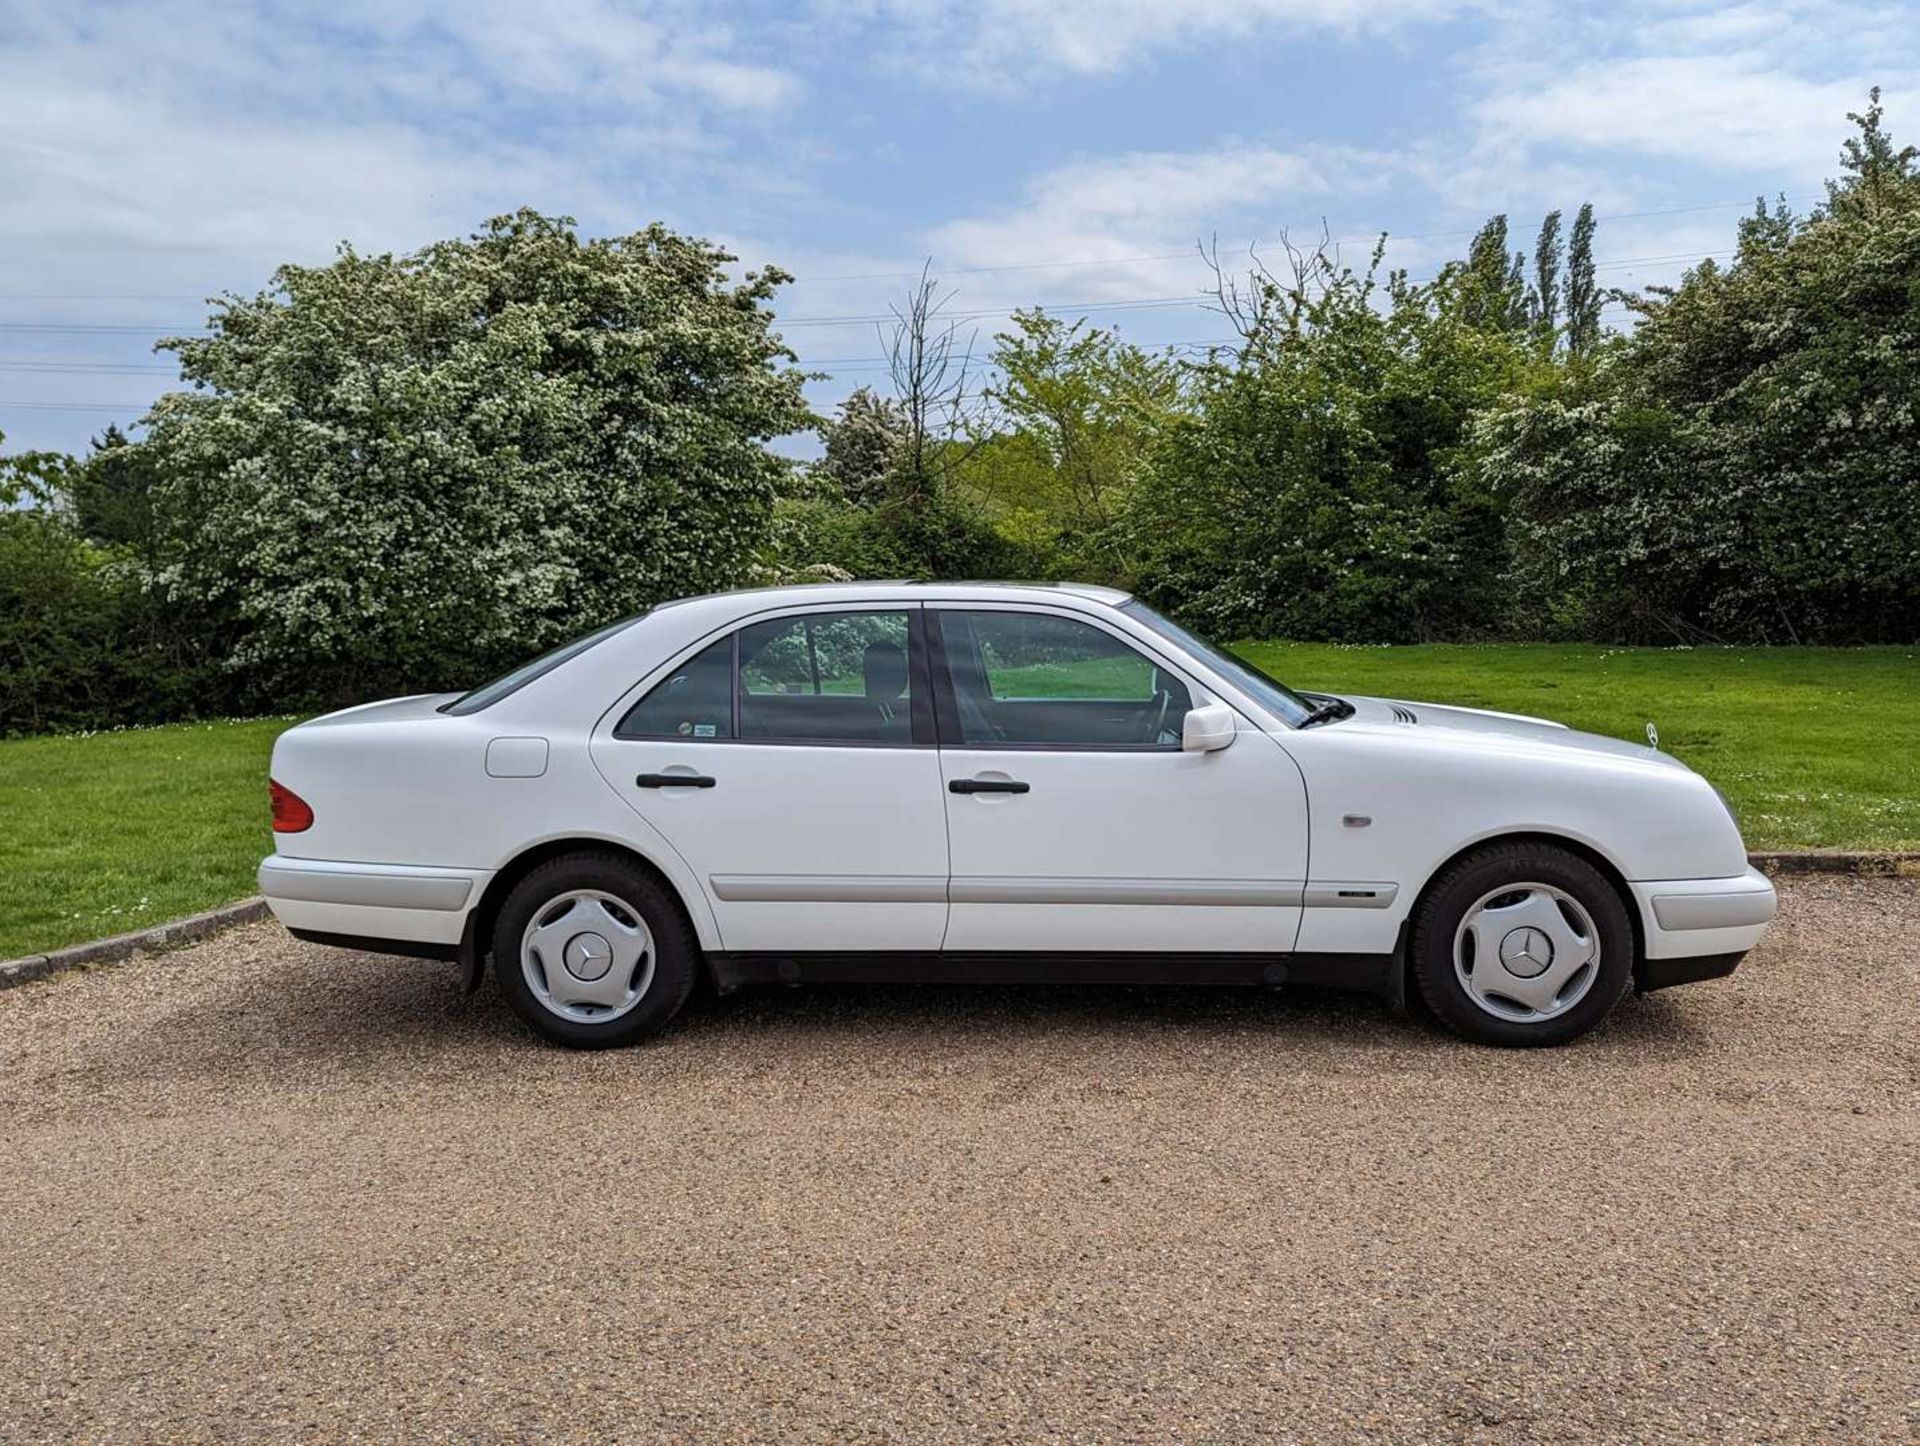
(290, 811)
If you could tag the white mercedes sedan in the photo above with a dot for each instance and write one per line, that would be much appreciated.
(967, 782)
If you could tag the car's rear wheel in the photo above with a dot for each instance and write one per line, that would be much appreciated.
(593, 953)
(1522, 944)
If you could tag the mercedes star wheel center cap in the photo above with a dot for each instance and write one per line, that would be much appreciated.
(589, 956)
(1526, 953)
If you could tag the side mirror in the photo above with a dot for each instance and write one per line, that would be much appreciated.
(1208, 729)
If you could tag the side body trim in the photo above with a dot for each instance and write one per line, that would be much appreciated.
(386, 886)
(1260, 893)
(990, 889)
(829, 888)
(1349, 895)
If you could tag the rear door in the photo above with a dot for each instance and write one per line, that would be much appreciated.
(1075, 820)
(792, 764)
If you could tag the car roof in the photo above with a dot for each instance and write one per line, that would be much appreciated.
(904, 589)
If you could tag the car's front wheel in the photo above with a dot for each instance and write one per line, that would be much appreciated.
(1522, 944)
(593, 953)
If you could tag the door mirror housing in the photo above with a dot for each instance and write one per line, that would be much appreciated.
(1207, 729)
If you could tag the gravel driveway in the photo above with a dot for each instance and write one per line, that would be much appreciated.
(260, 1188)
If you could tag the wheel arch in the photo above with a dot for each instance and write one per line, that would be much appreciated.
(480, 918)
(1579, 848)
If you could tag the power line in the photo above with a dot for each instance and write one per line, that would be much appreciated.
(96, 328)
(1152, 302)
(103, 296)
(1369, 238)
(851, 319)
(62, 365)
(847, 365)
(75, 406)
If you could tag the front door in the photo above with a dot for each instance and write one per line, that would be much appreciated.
(791, 764)
(1076, 822)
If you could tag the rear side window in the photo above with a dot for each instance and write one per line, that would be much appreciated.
(828, 678)
(841, 677)
(695, 701)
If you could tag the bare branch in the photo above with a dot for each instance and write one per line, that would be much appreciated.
(931, 368)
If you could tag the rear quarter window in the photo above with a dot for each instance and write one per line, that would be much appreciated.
(487, 694)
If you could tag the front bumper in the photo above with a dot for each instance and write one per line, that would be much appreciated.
(1665, 973)
(413, 903)
(1698, 928)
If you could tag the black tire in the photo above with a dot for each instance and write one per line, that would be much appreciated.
(675, 950)
(1467, 880)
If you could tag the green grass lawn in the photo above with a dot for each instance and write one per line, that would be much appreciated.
(105, 832)
(1817, 748)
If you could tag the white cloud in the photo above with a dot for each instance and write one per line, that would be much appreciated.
(1114, 207)
(571, 46)
(153, 152)
(1000, 42)
(1731, 110)
(205, 144)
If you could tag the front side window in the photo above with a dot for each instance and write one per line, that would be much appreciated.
(1038, 679)
(1277, 696)
(816, 678)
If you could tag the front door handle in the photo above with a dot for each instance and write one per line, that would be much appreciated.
(675, 780)
(987, 785)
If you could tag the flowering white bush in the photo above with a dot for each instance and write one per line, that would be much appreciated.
(399, 472)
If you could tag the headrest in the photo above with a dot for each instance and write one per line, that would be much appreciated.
(884, 667)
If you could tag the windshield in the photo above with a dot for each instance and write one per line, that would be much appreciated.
(1271, 692)
(488, 694)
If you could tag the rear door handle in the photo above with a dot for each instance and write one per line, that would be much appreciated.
(988, 785)
(675, 780)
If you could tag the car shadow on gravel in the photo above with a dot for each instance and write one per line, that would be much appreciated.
(1304, 1016)
(340, 1012)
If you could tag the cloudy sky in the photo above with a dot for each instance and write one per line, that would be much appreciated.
(1063, 152)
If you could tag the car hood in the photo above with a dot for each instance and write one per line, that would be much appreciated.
(1504, 728)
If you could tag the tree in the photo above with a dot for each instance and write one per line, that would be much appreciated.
(1076, 415)
(1746, 465)
(112, 493)
(400, 471)
(931, 370)
(1493, 296)
(863, 445)
(1316, 489)
(78, 645)
(1877, 178)
(1544, 302)
(1583, 293)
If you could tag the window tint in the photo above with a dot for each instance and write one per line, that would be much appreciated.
(1038, 679)
(696, 701)
(827, 677)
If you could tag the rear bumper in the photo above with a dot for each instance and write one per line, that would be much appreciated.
(407, 902)
(1698, 928)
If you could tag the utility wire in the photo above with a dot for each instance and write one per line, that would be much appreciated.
(846, 365)
(853, 319)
